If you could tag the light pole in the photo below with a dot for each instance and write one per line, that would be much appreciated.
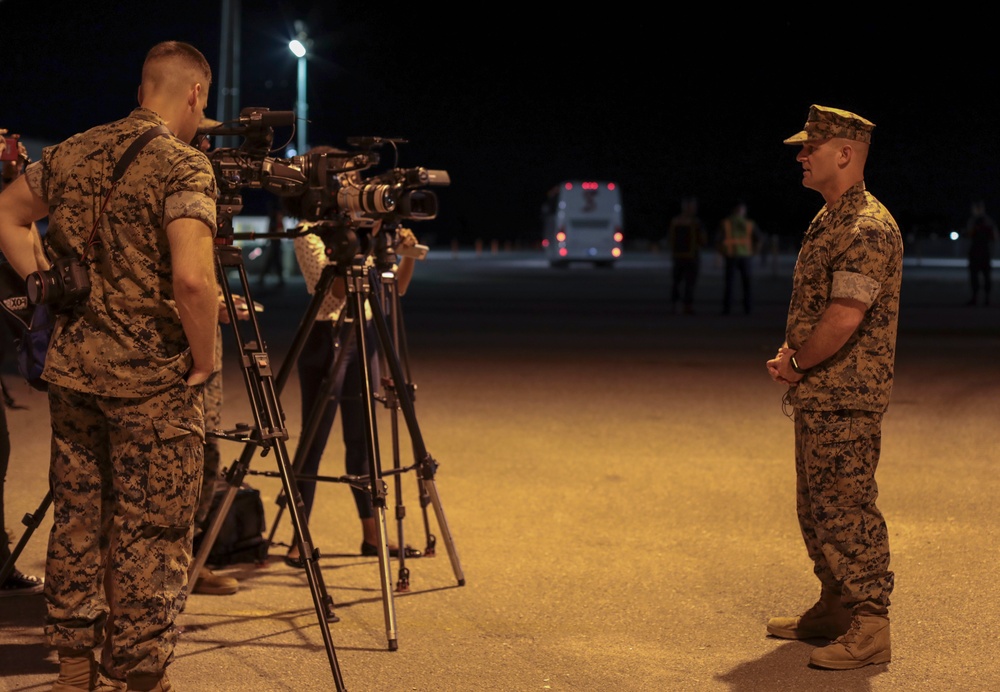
(300, 48)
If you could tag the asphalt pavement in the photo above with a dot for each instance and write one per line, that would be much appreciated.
(609, 491)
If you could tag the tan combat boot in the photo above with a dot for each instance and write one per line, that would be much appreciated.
(77, 671)
(215, 584)
(827, 618)
(866, 643)
(146, 682)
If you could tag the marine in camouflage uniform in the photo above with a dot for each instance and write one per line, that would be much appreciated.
(851, 250)
(837, 360)
(127, 430)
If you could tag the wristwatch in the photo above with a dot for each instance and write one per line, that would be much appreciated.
(795, 366)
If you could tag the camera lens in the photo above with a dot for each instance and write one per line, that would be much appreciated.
(370, 199)
(42, 287)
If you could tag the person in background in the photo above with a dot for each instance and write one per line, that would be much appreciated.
(981, 232)
(738, 241)
(17, 583)
(685, 238)
(125, 371)
(837, 364)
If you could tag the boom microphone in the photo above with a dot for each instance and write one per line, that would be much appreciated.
(250, 119)
(266, 118)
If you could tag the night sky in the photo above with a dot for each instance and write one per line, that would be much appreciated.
(510, 99)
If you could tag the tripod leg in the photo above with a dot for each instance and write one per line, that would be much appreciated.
(32, 521)
(270, 434)
(425, 463)
(390, 297)
(357, 292)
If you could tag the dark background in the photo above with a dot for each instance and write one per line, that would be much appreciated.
(512, 98)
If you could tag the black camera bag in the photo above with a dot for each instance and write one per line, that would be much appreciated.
(241, 535)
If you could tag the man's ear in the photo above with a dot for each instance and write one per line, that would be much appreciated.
(194, 95)
(846, 154)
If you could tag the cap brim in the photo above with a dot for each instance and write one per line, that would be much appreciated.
(798, 138)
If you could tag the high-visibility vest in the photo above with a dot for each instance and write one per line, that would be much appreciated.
(737, 242)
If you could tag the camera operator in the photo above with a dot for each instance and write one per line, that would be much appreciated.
(314, 363)
(125, 370)
(16, 583)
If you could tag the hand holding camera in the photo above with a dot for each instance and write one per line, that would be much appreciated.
(407, 245)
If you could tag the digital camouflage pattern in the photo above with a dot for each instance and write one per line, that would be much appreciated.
(836, 456)
(152, 448)
(850, 250)
(826, 123)
(212, 397)
(127, 431)
(125, 339)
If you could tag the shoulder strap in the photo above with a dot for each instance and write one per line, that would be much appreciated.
(123, 163)
(134, 148)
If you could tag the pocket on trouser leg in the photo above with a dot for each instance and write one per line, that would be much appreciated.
(174, 477)
(848, 447)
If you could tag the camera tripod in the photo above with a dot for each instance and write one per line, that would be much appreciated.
(351, 329)
(268, 433)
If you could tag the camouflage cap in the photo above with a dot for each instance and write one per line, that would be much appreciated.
(824, 123)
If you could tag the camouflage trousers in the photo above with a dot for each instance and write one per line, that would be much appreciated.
(836, 455)
(125, 476)
(212, 393)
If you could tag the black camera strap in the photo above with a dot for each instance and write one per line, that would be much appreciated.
(120, 168)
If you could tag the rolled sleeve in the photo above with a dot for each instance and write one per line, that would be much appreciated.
(854, 286)
(34, 176)
(190, 205)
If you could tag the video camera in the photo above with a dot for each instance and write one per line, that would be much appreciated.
(330, 185)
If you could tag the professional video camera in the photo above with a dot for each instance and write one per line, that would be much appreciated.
(330, 184)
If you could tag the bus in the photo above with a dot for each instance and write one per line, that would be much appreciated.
(582, 222)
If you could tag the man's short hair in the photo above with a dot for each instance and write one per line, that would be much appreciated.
(180, 50)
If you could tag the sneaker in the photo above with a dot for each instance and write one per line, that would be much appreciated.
(866, 643)
(827, 619)
(213, 584)
(18, 584)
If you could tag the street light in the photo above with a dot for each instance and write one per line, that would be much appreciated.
(300, 49)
